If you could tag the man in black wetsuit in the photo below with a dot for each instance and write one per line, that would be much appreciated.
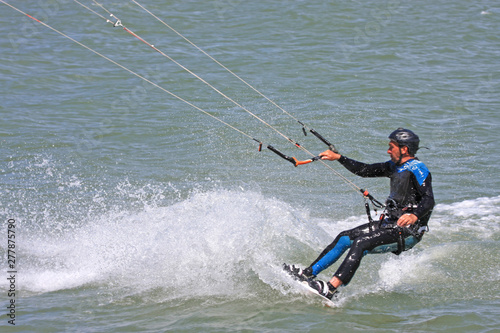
(408, 209)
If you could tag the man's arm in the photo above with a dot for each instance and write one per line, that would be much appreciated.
(426, 204)
(359, 168)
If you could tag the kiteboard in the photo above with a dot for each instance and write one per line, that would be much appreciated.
(304, 285)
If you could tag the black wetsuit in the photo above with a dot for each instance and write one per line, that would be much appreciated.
(411, 192)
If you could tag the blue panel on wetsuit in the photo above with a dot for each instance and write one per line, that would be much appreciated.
(343, 244)
(418, 168)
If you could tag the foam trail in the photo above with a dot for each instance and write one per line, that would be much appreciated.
(223, 242)
(214, 241)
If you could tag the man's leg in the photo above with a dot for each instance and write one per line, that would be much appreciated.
(329, 255)
(360, 245)
(363, 243)
(335, 250)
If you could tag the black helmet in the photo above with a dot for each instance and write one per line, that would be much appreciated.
(405, 137)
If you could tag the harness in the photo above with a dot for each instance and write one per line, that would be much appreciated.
(388, 219)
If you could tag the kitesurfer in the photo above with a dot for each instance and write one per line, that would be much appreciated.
(401, 226)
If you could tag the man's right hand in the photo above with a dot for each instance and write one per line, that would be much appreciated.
(329, 155)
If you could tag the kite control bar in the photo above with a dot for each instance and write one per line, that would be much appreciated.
(325, 141)
(292, 160)
(296, 162)
(319, 136)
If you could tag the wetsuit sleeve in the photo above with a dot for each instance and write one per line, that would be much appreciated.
(426, 204)
(367, 170)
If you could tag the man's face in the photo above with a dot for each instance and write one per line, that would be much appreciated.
(394, 151)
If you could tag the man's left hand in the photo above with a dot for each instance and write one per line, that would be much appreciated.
(407, 219)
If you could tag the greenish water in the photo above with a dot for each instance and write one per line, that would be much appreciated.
(135, 212)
